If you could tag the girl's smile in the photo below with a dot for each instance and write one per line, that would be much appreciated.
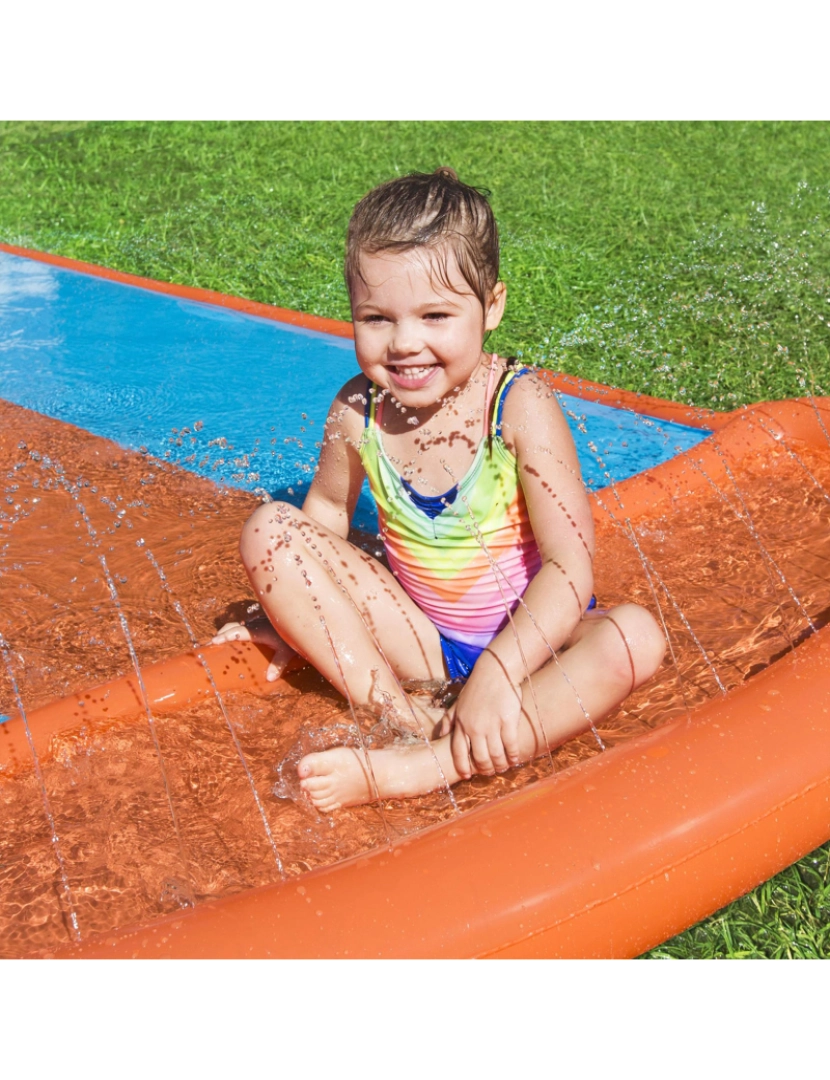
(412, 377)
(419, 328)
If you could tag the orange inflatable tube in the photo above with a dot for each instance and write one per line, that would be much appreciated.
(604, 860)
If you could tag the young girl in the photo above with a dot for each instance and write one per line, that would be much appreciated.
(484, 516)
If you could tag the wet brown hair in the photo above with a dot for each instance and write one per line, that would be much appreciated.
(431, 211)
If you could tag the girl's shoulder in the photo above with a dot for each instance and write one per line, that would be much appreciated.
(354, 392)
(516, 374)
(348, 409)
(530, 407)
(536, 431)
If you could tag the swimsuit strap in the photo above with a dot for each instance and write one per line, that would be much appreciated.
(370, 409)
(488, 396)
(512, 372)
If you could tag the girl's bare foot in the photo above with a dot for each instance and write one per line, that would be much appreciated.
(342, 776)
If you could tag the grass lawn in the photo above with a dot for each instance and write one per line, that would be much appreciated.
(689, 261)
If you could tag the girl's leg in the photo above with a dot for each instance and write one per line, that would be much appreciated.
(611, 654)
(342, 610)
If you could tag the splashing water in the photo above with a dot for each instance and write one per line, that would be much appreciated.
(60, 611)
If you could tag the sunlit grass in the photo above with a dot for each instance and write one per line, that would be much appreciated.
(707, 243)
(787, 917)
(689, 261)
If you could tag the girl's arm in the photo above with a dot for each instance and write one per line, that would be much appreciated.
(334, 491)
(488, 709)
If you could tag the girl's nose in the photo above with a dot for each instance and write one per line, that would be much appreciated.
(405, 339)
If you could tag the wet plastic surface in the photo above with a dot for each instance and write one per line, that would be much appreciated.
(735, 599)
(130, 818)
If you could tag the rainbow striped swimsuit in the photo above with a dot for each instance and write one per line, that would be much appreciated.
(467, 557)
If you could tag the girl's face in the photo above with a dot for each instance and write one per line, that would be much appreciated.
(414, 336)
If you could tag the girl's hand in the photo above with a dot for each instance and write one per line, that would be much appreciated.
(485, 737)
(262, 632)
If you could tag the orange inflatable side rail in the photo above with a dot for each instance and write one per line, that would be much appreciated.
(606, 859)
(748, 430)
(169, 686)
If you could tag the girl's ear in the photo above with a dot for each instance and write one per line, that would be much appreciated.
(495, 308)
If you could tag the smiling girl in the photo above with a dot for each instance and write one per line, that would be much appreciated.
(485, 521)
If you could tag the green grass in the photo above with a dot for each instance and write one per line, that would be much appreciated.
(689, 261)
(787, 917)
(699, 249)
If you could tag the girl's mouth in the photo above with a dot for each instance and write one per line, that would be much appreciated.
(412, 377)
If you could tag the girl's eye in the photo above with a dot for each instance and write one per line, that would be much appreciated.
(436, 316)
(375, 319)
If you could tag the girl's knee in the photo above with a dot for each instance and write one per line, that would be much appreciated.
(265, 535)
(640, 645)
